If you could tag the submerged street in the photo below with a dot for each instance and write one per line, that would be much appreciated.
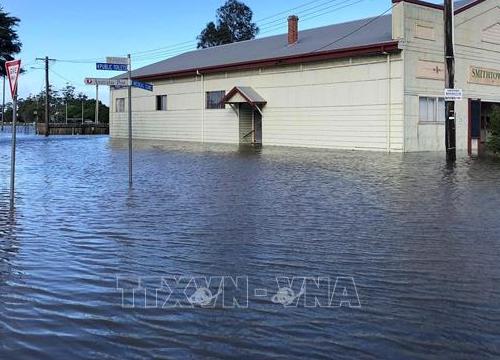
(420, 240)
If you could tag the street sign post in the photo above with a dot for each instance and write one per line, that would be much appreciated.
(453, 94)
(13, 68)
(114, 63)
(129, 92)
(142, 85)
(111, 67)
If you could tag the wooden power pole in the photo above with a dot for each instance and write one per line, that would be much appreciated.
(47, 94)
(47, 97)
(449, 52)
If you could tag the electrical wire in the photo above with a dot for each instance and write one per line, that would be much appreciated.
(306, 14)
(157, 52)
(315, 14)
(355, 30)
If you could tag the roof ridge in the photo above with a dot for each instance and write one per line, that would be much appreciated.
(212, 48)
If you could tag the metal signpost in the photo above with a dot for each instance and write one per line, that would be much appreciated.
(3, 103)
(12, 69)
(121, 64)
(96, 104)
(129, 77)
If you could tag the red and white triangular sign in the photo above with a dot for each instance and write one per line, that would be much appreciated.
(13, 69)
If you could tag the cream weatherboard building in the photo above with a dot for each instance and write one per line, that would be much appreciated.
(371, 84)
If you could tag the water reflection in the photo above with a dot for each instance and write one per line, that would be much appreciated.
(421, 240)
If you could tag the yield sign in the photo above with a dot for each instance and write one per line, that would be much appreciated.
(13, 68)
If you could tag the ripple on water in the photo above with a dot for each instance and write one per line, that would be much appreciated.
(420, 239)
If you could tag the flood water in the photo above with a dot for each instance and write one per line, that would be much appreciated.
(420, 240)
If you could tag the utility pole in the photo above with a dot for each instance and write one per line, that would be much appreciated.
(66, 112)
(97, 103)
(449, 52)
(47, 96)
(82, 111)
(47, 93)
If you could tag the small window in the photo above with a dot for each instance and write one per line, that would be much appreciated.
(161, 102)
(431, 110)
(214, 99)
(120, 105)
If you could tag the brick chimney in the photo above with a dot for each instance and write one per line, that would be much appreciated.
(293, 29)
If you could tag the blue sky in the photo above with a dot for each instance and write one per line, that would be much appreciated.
(91, 29)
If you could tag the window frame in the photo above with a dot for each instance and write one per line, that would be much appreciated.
(438, 110)
(210, 105)
(118, 108)
(159, 102)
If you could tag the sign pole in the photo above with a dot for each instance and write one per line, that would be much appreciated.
(450, 121)
(13, 153)
(97, 103)
(3, 102)
(129, 120)
(12, 69)
(121, 64)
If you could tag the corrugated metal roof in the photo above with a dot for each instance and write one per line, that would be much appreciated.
(328, 38)
(462, 3)
(322, 38)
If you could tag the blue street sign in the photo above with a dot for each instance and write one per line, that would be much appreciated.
(141, 85)
(112, 67)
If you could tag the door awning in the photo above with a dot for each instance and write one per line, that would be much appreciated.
(244, 94)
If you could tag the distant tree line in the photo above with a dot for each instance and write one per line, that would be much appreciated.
(32, 108)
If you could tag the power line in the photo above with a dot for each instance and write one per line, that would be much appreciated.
(286, 11)
(316, 14)
(355, 30)
(300, 13)
(157, 51)
(61, 77)
(162, 48)
(313, 15)
(306, 14)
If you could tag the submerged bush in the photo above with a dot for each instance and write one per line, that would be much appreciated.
(493, 142)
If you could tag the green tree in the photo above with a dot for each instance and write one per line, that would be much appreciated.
(493, 141)
(9, 40)
(233, 24)
(32, 108)
(68, 92)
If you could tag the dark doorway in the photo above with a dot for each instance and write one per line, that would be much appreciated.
(479, 124)
(257, 127)
(250, 124)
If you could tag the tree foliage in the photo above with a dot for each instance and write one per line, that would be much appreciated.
(9, 40)
(32, 108)
(233, 24)
(493, 141)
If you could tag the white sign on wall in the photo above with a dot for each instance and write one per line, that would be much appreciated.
(453, 94)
